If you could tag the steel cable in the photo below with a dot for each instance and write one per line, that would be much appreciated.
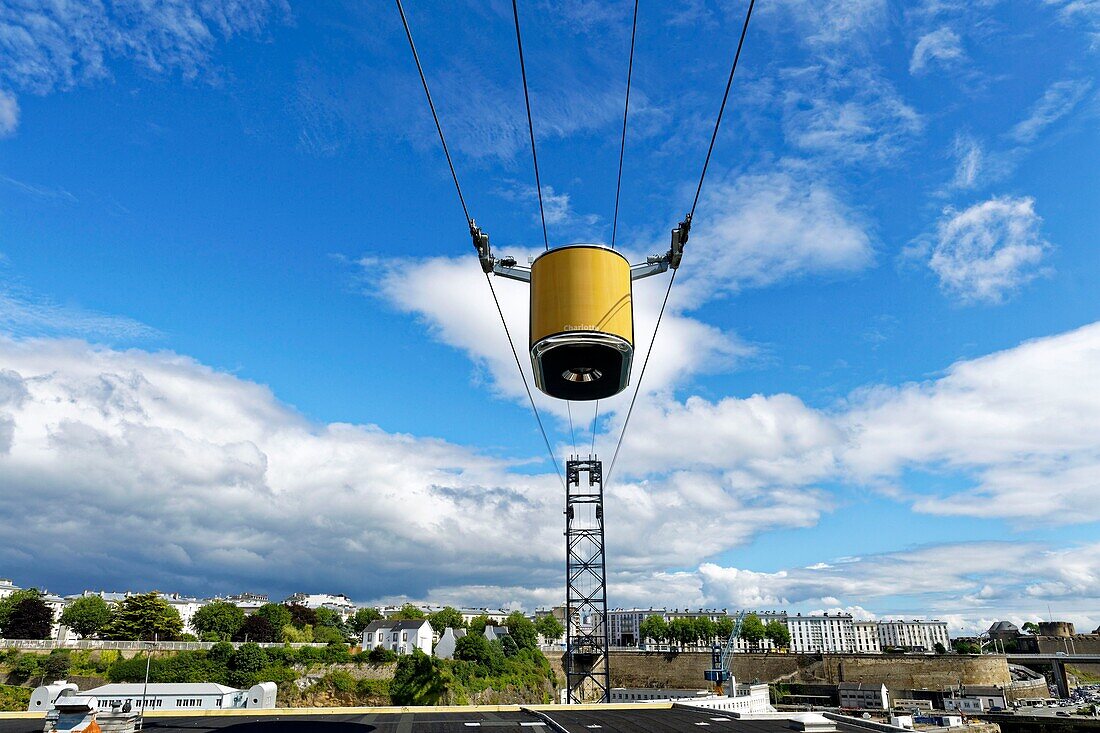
(626, 110)
(530, 124)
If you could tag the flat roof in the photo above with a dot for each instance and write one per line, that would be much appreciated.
(578, 719)
(131, 689)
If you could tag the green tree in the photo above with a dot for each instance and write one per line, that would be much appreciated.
(752, 630)
(940, 648)
(249, 657)
(477, 625)
(221, 652)
(30, 618)
(474, 648)
(144, 616)
(681, 631)
(276, 614)
(328, 635)
(723, 627)
(704, 629)
(777, 632)
(522, 631)
(295, 635)
(7, 604)
(1031, 627)
(408, 612)
(258, 628)
(445, 618)
(220, 617)
(328, 617)
(419, 680)
(549, 627)
(363, 618)
(653, 628)
(56, 666)
(301, 616)
(87, 616)
(966, 647)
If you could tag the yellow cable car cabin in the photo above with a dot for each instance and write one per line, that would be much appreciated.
(582, 317)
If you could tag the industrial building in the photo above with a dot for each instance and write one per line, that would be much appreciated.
(157, 696)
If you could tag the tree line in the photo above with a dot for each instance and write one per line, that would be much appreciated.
(25, 615)
(703, 630)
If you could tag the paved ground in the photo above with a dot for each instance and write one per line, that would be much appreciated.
(573, 721)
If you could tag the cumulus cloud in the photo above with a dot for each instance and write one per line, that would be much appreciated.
(1019, 422)
(989, 250)
(9, 113)
(222, 485)
(1059, 99)
(942, 45)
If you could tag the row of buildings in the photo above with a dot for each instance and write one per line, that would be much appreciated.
(829, 632)
(186, 606)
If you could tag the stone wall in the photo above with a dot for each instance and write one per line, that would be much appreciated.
(685, 670)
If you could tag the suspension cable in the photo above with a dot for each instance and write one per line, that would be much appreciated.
(595, 414)
(530, 397)
(469, 221)
(530, 125)
(572, 435)
(431, 105)
(695, 202)
(722, 109)
(641, 376)
(622, 145)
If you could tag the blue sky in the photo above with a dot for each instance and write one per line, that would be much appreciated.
(244, 323)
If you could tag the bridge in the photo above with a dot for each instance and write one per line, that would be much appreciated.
(1057, 663)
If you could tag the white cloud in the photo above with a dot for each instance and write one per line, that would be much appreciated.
(943, 45)
(969, 160)
(9, 113)
(836, 22)
(57, 45)
(852, 117)
(1059, 99)
(220, 484)
(757, 230)
(23, 315)
(1018, 425)
(986, 252)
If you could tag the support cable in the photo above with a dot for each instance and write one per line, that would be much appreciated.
(572, 435)
(690, 216)
(431, 105)
(641, 376)
(469, 221)
(595, 414)
(530, 397)
(622, 145)
(530, 125)
(722, 109)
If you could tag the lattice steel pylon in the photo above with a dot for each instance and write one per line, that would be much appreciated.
(586, 631)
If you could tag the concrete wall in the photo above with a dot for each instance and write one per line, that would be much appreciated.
(685, 670)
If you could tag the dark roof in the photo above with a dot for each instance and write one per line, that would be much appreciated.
(860, 686)
(396, 625)
(1004, 626)
(427, 720)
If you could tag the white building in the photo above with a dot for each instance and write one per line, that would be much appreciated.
(863, 696)
(402, 637)
(158, 696)
(247, 602)
(913, 635)
(7, 587)
(824, 633)
(445, 647)
(186, 608)
(340, 603)
(495, 615)
(866, 637)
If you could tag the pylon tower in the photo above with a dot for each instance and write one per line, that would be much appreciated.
(586, 633)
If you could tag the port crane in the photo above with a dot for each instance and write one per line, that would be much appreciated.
(722, 657)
